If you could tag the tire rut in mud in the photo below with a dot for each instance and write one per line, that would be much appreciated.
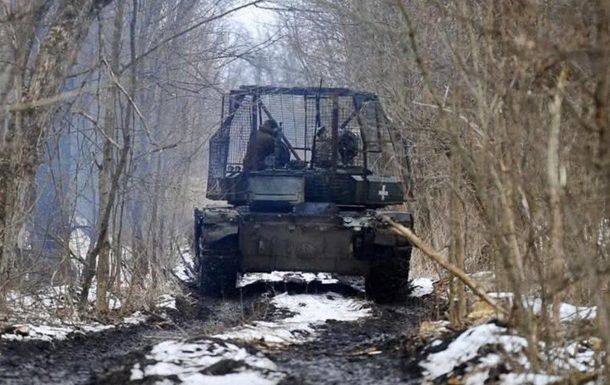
(368, 351)
(371, 350)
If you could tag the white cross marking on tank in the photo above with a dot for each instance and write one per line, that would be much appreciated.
(383, 192)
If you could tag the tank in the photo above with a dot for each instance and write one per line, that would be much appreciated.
(308, 176)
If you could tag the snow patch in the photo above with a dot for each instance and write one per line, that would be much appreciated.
(207, 362)
(136, 318)
(114, 303)
(421, 287)
(54, 298)
(41, 332)
(167, 301)
(528, 378)
(567, 312)
(79, 243)
(575, 356)
(480, 349)
(286, 276)
(29, 332)
(466, 347)
(185, 265)
(307, 311)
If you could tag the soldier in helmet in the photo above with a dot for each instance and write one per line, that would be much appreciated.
(323, 148)
(260, 146)
(348, 147)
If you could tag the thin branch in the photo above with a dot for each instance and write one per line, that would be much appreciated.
(187, 30)
(439, 259)
(473, 126)
(92, 120)
(131, 101)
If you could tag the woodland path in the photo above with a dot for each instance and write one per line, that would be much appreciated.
(373, 349)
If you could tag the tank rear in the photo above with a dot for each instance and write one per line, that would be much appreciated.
(297, 242)
(295, 208)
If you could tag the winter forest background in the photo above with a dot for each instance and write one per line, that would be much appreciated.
(503, 108)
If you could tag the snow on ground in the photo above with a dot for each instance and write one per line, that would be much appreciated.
(114, 303)
(52, 314)
(217, 361)
(286, 276)
(206, 362)
(167, 301)
(421, 287)
(185, 266)
(60, 331)
(307, 311)
(567, 312)
(79, 243)
(27, 332)
(45, 325)
(529, 379)
(136, 318)
(466, 348)
(489, 348)
(53, 303)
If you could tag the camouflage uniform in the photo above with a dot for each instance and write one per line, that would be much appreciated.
(348, 147)
(260, 146)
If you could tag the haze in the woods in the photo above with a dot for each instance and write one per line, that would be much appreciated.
(492, 116)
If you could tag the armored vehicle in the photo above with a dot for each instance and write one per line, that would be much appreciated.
(308, 176)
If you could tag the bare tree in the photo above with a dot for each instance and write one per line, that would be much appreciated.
(30, 92)
(505, 108)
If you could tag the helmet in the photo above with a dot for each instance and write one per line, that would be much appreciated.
(270, 126)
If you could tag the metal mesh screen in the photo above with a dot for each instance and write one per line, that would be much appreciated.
(296, 111)
(240, 131)
(289, 112)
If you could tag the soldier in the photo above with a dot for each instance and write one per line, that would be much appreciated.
(260, 146)
(282, 153)
(324, 151)
(348, 147)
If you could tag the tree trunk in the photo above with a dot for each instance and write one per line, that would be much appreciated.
(457, 304)
(14, 182)
(556, 234)
(103, 265)
(24, 140)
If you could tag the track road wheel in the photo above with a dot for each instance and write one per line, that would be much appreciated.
(219, 275)
(218, 263)
(388, 278)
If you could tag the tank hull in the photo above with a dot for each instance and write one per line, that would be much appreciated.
(317, 238)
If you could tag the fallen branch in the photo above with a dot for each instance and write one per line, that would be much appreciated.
(438, 258)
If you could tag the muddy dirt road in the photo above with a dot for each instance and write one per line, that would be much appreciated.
(272, 334)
